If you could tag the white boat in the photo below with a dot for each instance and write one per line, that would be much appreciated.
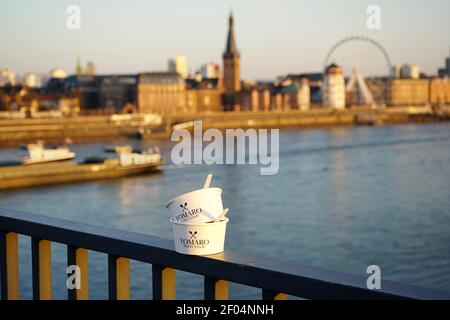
(129, 158)
(38, 154)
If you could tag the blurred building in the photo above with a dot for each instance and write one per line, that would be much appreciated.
(85, 88)
(178, 65)
(249, 99)
(447, 65)
(102, 94)
(442, 72)
(291, 94)
(407, 71)
(161, 93)
(407, 87)
(256, 96)
(410, 71)
(32, 80)
(315, 82)
(264, 97)
(334, 87)
(302, 99)
(118, 93)
(30, 100)
(54, 85)
(408, 92)
(12, 97)
(7, 78)
(395, 72)
(283, 95)
(210, 70)
(440, 91)
(231, 71)
(445, 72)
(90, 69)
(58, 74)
(68, 106)
(203, 95)
(78, 67)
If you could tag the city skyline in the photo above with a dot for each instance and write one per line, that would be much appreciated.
(105, 38)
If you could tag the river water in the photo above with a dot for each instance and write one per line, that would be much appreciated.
(344, 199)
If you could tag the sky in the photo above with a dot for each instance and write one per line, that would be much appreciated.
(273, 37)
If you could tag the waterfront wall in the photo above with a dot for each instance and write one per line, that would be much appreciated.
(77, 129)
(103, 128)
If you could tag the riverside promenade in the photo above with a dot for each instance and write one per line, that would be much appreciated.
(104, 128)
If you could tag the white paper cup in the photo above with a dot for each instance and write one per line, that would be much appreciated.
(199, 239)
(199, 206)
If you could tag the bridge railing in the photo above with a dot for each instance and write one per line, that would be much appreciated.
(276, 280)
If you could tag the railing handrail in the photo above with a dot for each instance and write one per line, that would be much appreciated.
(301, 281)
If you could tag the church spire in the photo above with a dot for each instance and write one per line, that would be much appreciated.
(231, 50)
(231, 70)
(78, 69)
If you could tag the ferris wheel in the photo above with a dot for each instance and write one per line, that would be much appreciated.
(358, 39)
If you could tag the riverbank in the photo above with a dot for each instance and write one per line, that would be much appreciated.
(104, 128)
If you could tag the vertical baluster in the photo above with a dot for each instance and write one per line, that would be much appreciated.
(3, 267)
(78, 257)
(42, 269)
(118, 278)
(164, 283)
(271, 295)
(9, 265)
(215, 289)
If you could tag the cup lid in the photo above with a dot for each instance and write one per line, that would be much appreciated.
(189, 193)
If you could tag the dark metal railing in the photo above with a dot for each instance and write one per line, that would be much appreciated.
(276, 280)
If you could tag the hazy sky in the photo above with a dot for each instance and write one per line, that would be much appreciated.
(274, 37)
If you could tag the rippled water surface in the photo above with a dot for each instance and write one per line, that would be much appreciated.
(343, 199)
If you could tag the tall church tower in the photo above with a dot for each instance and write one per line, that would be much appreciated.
(78, 69)
(231, 70)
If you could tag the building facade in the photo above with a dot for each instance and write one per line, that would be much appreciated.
(410, 71)
(210, 70)
(7, 78)
(178, 65)
(32, 80)
(204, 95)
(447, 65)
(408, 92)
(440, 91)
(85, 88)
(118, 92)
(334, 87)
(162, 93)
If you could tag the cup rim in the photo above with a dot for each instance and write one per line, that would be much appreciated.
(223, 221)
(189, 193)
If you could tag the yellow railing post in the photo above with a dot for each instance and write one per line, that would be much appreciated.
(164, 283)
(41, 269)
(215, 289)
(82, 262)
(118, 278)
(12, 265)
(45, 270)
(78, 257)
(123, 279)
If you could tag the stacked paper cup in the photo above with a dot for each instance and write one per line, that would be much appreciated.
(198, 221)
